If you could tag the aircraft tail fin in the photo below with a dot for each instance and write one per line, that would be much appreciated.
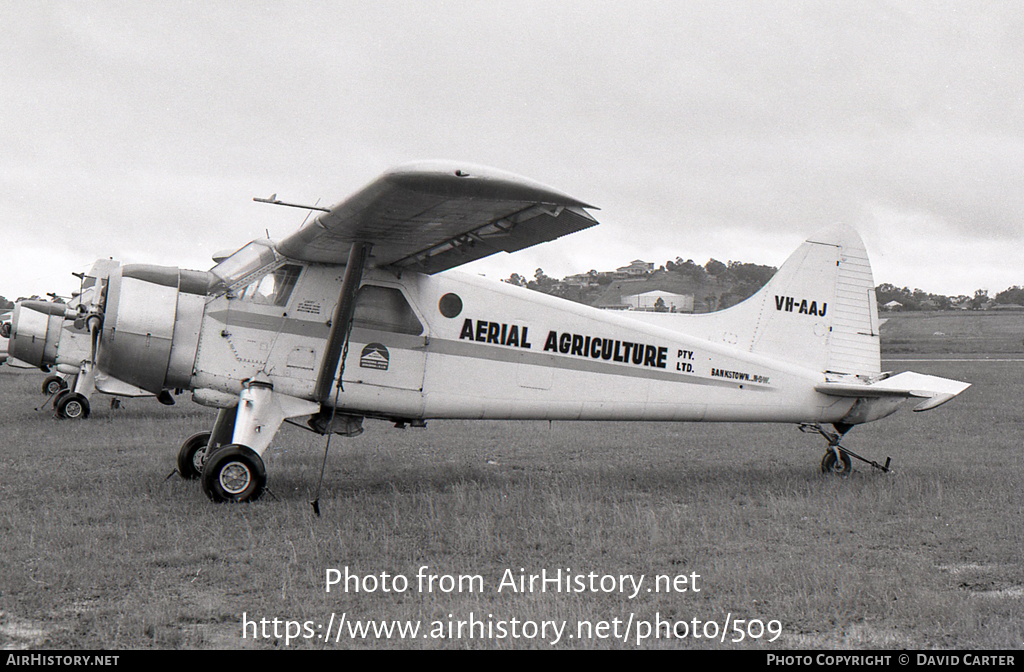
(818, 310)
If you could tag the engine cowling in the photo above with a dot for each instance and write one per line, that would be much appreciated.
(35, 332)
(151, 324)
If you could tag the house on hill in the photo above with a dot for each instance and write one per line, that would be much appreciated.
(581, 280)
(636, 269)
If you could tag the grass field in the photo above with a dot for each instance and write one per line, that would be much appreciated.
(101, 551)
(950, 331)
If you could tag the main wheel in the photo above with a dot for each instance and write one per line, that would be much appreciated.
(59, 397)
(54, 384)
(192, 455)
(234, 473)
(73, 406)
(841, 467)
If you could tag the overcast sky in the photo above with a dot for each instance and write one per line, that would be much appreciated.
(731, 130)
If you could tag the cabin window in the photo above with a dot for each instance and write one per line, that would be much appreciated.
(385, 309)
(273, 289)
(234, 270)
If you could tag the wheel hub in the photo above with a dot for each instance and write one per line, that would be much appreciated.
(235, 477)
(198, 458)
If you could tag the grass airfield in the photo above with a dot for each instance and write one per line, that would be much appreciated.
(101, 550)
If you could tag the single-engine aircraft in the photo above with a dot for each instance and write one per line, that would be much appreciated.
(65, 337)
(351, 317)
(5, 332)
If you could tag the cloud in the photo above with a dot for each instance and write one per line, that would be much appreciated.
(700, 129)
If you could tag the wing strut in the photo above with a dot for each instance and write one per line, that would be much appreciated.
(337, 344)
(342, 321)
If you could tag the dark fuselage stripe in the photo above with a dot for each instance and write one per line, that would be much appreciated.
(516, 355)
(319, 330)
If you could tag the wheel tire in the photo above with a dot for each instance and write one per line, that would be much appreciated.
(840, 467)
(192, 456)
(73, 406)
(234, 473)
(60, 396)
(54, 384)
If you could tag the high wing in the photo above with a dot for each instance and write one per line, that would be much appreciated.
(432, 216)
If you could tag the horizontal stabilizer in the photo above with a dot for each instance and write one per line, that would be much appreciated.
(933, 389)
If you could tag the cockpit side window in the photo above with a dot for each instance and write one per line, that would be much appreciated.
(273, 289)
(385, 309)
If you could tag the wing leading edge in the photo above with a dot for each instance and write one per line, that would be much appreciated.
(432, 216)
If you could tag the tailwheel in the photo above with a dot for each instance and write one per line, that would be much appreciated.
(838, 466)
(234, 473)
(73, 406)
(837, 458)
(192, 456)
(54, 384)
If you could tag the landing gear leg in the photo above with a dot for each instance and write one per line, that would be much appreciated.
(235, 472)
(73, 402)
(837, 459)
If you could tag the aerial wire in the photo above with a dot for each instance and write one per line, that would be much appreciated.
(338, 389)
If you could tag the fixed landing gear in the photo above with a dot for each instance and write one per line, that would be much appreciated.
(837, 458)
(234, 473)
(72, 406)
(837, 466)
(192, 456)
(227, 460)
(54, 384)
(60, 395)
(70, 394)
(227, 473)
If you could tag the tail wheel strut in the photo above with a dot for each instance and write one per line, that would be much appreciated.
(837, 459)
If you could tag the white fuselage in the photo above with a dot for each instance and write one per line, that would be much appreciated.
(455, 345)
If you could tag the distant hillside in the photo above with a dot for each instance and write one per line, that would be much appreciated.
(713, 286)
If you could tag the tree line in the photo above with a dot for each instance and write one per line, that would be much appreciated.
(918, 299)
(736, 281)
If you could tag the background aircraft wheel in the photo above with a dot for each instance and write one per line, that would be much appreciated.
(840, 467)
(234, 473)
(53, 384)
(73, 406)
(192, 455)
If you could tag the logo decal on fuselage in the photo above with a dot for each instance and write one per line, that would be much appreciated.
(375, 356)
